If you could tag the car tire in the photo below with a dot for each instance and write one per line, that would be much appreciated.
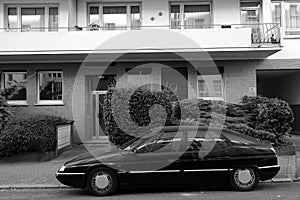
(102, 182)
(244, 178)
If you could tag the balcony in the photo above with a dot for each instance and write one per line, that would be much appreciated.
(227, 40)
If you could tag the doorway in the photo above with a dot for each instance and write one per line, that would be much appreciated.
(97, 89)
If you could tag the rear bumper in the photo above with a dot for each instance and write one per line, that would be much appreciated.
(268, 172)
(76, 180)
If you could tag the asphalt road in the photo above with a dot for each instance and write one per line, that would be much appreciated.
(264, 191)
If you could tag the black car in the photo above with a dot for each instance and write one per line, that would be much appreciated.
(174, 156)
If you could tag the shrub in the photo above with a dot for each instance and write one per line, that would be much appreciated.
(33, 134)
(209, 112)
(259, 117)
(268, 114)
(129, 112)
(5, 113)
(247, 130)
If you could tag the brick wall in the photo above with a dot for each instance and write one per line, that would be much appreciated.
(69, 74)
(239, 79)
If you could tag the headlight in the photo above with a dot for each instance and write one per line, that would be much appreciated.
(62, 168)
(272, 148)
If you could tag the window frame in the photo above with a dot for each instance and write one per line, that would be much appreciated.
(101, 18)
(202, 77)
(282, 18)
(50, 102)
(181, 8)
(19, 15)
(14, 102)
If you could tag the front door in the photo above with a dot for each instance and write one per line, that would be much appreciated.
(97, 115)
(98, 87)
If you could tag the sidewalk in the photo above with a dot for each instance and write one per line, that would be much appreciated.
(37, 174)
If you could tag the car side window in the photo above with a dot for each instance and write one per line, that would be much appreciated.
(205, 141)
(238, 138)
(168, 142)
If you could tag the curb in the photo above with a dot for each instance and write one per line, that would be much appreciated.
(57, 186)
(30, 186)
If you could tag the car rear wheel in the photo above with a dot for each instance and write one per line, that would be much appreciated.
(102, 182)
(244, 179)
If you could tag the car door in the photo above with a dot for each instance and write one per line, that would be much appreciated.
(153, 162)
(205, 159)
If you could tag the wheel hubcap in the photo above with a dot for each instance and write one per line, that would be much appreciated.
(244, 177)
(102, 181)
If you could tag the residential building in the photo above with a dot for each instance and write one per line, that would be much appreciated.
(62, 49)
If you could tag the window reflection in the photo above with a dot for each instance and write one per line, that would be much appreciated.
(12, 19)
(11, 79)
(50, 85)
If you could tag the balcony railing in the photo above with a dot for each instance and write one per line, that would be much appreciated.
(267, 33)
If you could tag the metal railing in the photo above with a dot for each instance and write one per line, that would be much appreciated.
(266, 33)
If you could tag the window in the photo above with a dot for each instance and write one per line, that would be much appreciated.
(190, 15)
(53, 19)
(32, 18)
(114, 16)
(276, 12)
(50, 87)
(292, 18)
(250, 12)
(287, 14)
(210, 87)
(205, 141)
(137, 77)
(10, 79)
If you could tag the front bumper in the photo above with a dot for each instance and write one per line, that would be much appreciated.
(76, 180)
(268, 172)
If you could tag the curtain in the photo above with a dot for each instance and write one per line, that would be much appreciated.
(12, 19)
(175, 17)
(197, 16)
(292, 16)
(33, 19)
(135, 20)
(53, 19)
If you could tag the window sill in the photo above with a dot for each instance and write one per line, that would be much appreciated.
(292, 37)
(49, 103)
(211, 98)
(17, 103)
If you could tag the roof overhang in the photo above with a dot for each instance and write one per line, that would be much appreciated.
(255, 53)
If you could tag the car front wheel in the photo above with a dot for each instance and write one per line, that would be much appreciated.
(244, 179)
(102, 182)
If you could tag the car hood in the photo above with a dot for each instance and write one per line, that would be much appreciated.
(97, 156)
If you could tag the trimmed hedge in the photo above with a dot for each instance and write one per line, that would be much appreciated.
(129, 112)
(209, 112)
(33, 134)
(260, 117)
(268, 114)
(267, 119)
